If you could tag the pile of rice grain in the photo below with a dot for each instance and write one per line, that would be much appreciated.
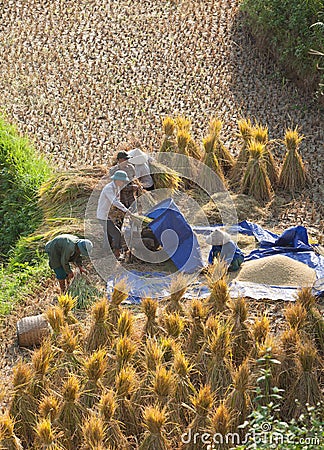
(277, 270)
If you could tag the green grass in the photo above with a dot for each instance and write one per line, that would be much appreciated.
(22, 171)
(286, 28)
(20, 280)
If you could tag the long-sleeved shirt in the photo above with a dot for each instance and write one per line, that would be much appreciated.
(62, 250)
(110, 196)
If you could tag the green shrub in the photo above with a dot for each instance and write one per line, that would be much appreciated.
(285, 27)
(22, 171)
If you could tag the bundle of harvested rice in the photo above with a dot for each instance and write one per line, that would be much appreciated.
(83, 291)
(164, 177)
(169, 143)
(210, 159)
(223, 155)
(256, 180)
(277, 270)
(293, 173)
(245, 134)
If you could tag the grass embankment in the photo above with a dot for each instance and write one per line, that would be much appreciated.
(23, 171)
(293, 32)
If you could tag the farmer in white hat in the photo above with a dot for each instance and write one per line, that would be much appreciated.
(64, 249)
(110, 198)
(142, 169)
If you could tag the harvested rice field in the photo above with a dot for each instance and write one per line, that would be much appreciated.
(83, 77)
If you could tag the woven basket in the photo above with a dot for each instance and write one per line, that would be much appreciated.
(31, 330)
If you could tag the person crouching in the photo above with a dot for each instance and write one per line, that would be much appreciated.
(63, 250)
(225, 248)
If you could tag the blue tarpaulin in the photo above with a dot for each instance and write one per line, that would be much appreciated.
(176, 236)
(292, 243)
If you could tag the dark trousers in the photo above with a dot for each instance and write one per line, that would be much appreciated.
(112, 234)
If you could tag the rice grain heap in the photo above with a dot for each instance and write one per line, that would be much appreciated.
(277, 270)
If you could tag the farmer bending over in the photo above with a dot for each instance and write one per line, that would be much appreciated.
(110, 197)
(223, 246)
(64, 249)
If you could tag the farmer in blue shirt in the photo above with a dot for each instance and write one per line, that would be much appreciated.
(226, 249)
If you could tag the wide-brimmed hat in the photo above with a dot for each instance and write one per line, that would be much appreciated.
(137, 156)
(218, 237)
(85, 246)
(120, 175)
(123, 155)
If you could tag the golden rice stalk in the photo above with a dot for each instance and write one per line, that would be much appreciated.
(221, 421)
(8, 439)
(317, 322)
(260, 329)
(169, 126)
(256, 181)
(238, 400)
(174, 325)
(289, 342)
(245, 134)
(210, 159)
(125, 324)
(149, 307)
(71, 412)
(183, 139)
(126, 381)
(165, 177)
(218, 300)
(292, 176)
(23, 407)
(306, 298)
(211, 326)
(154, 419)
(169, 347)
(67, 303)
(153, 354)
(126, 384)
(163, 385)
(194, 149)
(55, 318)
(125, 351)
(219, 375)
(183, 123)
(241, 339)
(224, 157)
(184, 388)
(41, 359)
(68, 340)
(296, 316)
(114, 436)
(260, 134)
(94, 432)
(95, 365)
(271, 166)
(202, 404)
(49, 408)
(178, 288)
(215, 126)
(305, 388)
(119, 295)
(99, 332)
(46, 438)
(198, 312)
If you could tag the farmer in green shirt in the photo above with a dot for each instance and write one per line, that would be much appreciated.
(64, 249)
